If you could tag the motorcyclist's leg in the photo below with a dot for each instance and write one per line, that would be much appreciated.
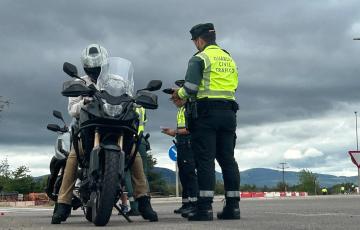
(138, 177)
(129, 188)
(140, 190)
(66, 190)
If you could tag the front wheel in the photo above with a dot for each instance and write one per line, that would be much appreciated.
(106, 193)
(88, 213)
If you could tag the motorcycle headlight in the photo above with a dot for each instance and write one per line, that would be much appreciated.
(112, 110)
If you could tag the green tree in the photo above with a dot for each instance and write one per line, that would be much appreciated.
(21, 181)
(4, 174)
(40, 184)
(281, 187)
(3, 103)
(219, 188)
(18, 180)
(308, 182)
(156, 182)
(248, 188)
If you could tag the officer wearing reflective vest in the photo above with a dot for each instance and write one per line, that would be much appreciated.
(210, 84)
(185, 156)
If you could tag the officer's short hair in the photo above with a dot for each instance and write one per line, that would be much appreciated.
(209, 37)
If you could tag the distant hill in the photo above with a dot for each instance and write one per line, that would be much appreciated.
(260, 177)
(269, 177)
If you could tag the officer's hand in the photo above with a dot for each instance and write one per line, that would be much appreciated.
(175, 95)
(169, 131)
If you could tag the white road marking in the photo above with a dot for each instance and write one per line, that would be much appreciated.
(312, 214)
(24, 210)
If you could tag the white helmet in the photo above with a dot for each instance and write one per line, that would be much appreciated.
(94, 56)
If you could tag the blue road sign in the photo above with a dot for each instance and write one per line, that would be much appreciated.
(173, 153)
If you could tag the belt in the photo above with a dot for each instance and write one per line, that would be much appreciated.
(217, 105)
(183, 139)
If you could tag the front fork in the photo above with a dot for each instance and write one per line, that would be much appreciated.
(95, 158)
(97, 150)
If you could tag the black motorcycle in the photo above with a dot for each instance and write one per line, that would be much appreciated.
(106, 139)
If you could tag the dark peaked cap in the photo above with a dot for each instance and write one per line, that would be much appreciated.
(201, 29)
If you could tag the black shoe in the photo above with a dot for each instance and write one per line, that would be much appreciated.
(61, 214)
(201, 215)
(133, 212)
(231, 210)
(229, 213)
(186, 211)
(182, 208)
(146, 210)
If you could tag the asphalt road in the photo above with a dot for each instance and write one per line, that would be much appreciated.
(321, 212)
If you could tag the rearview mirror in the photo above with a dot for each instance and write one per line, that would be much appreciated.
(53, 127)
(70, 69)
(58, 115)
(154, 85)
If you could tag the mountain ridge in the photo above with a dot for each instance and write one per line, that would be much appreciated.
(267, 177)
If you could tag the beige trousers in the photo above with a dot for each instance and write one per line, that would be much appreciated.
(68, 183)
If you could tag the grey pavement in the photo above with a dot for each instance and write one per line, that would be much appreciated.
(318, 212)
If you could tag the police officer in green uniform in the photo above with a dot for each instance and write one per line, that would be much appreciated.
(210, 84)
(185, 157)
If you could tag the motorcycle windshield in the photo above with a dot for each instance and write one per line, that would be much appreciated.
(116, 77)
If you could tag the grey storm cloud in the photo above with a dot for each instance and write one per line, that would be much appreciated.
(295, 59)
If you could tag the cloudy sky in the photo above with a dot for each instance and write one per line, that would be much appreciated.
(298, 72)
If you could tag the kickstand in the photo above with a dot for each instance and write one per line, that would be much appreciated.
(122, 213)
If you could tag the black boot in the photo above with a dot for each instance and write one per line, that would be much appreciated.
(201, 215)
(202, 212)
(182, 208)
(231, 210)
(133, 212)
(61, 213)
(191, 207)
(146, 210)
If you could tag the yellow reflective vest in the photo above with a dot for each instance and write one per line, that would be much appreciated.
(220, 74)
(142, 118)
(181, 118)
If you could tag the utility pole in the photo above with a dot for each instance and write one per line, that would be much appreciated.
(283, 167)
(356, 130)
(357, 145)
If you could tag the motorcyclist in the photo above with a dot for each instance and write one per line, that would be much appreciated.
(93, 58)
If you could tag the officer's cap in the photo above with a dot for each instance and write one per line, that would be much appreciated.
(200, 29)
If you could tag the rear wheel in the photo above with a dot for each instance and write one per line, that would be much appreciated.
(106, 194)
